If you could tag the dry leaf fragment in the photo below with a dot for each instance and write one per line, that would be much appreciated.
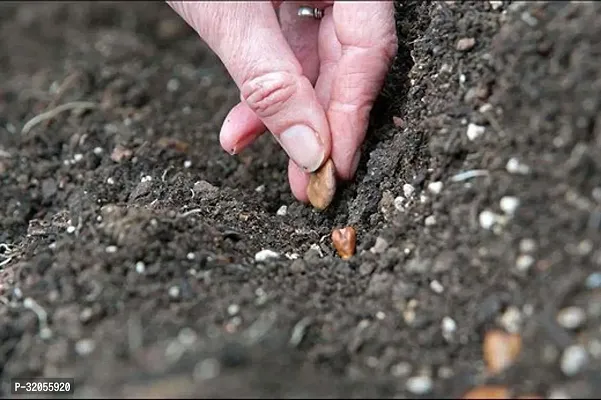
(322, 186)
(500, 350)
(487, 392)
(344, 240)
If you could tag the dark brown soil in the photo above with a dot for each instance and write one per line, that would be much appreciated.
(150, 286)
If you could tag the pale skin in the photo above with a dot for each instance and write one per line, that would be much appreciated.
(311, 83)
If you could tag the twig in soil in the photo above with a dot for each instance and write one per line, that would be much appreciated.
(55, 111)
(164, 175)
(299, 331)
(190, 212)
(473, 173)
(5, 261)
(30, 304)
(7, 252)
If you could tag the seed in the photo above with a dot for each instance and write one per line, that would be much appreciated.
(500, 350)
(344, 241)
(487, 392)
(322, 186)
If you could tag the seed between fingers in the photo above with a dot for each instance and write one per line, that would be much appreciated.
(322, 186)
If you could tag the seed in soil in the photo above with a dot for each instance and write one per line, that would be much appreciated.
(322, 186)
(487, 392)
(344, 240)
(500, 350)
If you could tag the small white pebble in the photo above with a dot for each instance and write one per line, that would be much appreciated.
(266, 254)
(401, 369)
(435, 187)
(110, 181)
(593, 281)
(111, 249)
(524, 262)
(173, 85)
(380, 315)
(573, 359)
(484, 108)
(474, 131)
(260, 189)
(70, 229)
(511, 319)
(233, 309)
(436, 287)
(419, 385)
(509, 204)
(487, 219)
(399, 203)
(140, 267)
(84, 347)
(187, 336)
(380, 246)
(206, 369)
(190, 256)
(527, 245)
(449, 326)
(292, 256)
(571, 317)
(430, 220)
(423, 198)
(283, 210)
(146, 178)
(187, 164)
(77, 157)
(495, 4)
(174, 292)
(98, 150)
(407, 251)
(408, 190)
(514, 166)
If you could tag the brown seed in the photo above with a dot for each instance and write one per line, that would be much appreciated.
(500, 350)
(322, 186)
(344, 240)
(173, 143)
(487, 392)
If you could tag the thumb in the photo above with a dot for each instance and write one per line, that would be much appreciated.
(247, 38)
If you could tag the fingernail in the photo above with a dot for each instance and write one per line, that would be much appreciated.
(355, 163)
(303, 146)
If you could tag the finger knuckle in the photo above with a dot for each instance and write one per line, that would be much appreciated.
(390, 47)
(268, 94)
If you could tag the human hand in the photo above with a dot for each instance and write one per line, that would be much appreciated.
(311, 83)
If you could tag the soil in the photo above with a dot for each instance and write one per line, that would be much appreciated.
(129, 236)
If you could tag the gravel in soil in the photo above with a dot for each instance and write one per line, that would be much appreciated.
(142, 260)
